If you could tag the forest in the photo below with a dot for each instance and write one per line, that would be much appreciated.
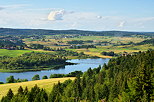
(31, 60)
(124, 79)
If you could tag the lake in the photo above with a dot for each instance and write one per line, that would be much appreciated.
(83, 65)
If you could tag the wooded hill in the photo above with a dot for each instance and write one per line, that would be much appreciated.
(9, 31)
(31, 61)
(124, 79)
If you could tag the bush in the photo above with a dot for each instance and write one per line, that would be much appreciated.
(36, 77)
(10, 79)
(57, 75)
(45, 77)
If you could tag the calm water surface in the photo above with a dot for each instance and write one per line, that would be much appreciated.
(83, 65)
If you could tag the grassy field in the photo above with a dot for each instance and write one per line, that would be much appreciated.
(46, 84)
(107, 38)
(62, 41)
(13, 53)
(116, 49)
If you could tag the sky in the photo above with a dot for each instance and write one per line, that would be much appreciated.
(93, 15)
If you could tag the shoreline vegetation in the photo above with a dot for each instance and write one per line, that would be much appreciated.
(39, 69)
(37, 61)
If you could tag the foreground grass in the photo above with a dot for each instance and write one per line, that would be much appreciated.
(46, 84)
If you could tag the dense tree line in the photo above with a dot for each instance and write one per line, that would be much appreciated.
(72, 74)
(9, 31)
(72, 53)
(11, 79)
(111, 53)
(82, 46)
(36, 46)
(11, 45)
(149, 41)
(40, 46)
(76, 42)
(69, 53)
(125, 79)
(31, 61)
(25, 95)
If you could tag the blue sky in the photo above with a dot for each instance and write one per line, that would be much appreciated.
(99, 15)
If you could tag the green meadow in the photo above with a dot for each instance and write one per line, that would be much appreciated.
(13, 53)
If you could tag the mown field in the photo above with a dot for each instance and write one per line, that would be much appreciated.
(46, 84)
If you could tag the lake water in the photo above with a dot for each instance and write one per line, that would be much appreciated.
(83, 65)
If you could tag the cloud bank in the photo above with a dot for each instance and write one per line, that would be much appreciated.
(71, 20)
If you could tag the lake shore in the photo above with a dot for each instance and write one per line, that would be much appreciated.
(39, 69)
(83, 65)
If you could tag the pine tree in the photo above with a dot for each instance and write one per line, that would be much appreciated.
(26, 91)
(10, 94)
(32, 94)
(56, 93)
(20, 91)
(77, 88)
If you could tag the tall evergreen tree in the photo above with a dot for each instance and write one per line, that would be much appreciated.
(20, 91)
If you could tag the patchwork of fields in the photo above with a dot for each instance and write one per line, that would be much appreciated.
(50, 41)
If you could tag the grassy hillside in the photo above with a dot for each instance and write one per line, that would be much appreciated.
(46, 84)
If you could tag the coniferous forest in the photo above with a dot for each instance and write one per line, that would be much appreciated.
(124, 79)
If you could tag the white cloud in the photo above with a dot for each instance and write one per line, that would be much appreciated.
(56, 15)
(71, 20)
(99, 17)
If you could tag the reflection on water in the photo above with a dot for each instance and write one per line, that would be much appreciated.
(83, 65)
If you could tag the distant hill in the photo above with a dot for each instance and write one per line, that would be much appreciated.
(10, 31)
